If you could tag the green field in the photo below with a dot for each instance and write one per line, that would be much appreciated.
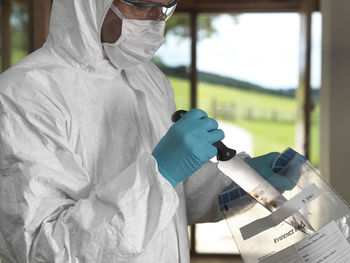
(18, 54)
(268, 134)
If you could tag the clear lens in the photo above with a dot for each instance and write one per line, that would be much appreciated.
(156, 13)
(149, 3)
(168, 12)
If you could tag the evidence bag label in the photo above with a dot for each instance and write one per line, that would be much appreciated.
(328, 245)
(286, 210)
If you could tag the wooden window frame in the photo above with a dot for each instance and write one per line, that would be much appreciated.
(5, 34)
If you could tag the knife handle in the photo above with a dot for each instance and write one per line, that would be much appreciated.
(224, 153)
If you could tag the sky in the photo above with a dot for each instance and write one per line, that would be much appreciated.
(259, 48)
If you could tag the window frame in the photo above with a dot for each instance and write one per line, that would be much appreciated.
(304, 99)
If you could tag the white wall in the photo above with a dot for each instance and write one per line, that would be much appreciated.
(335, 95)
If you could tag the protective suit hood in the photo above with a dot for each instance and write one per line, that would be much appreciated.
(75, 31)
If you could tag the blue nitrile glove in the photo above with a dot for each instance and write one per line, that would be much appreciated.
(187, 146)
(263, 166)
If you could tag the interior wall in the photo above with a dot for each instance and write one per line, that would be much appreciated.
(335, 96)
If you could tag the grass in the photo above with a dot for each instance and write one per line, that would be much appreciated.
(268, 135)
(17, 55)
(208, 92)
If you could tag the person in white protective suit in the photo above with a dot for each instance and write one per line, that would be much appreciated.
(89, 169)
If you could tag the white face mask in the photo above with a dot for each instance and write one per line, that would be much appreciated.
(138, 42)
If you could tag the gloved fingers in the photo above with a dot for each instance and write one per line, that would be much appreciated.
(272, 156)
(209, 124)
(195, 114)
(263, 162)
(204, 152)
(263, 166)
(215, 136)
(267, 159)
(281, 183)
(212, 151)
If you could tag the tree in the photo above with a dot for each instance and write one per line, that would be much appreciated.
(179, 25)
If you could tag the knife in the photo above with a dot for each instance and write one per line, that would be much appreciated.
(251, 182)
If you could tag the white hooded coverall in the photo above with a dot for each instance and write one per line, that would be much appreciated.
(78, 182)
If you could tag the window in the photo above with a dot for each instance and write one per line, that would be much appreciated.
(248, 73)
(14, 32)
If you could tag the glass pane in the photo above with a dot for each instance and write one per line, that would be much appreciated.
(248, 77)
(19, 32)
(316, 54)
(174, 58)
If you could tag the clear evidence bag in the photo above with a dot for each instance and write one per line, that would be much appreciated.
(308, 223)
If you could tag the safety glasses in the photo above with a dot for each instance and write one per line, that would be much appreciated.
(148, 10)
(151, 3)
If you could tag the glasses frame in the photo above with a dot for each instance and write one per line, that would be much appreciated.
(147, 4)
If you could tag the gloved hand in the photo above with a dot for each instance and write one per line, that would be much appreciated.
(187, 146)
(263, 166)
